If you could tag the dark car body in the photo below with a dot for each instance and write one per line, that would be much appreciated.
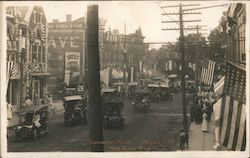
(141, 100)
(112, 109)
(75, 110)
(31, 128)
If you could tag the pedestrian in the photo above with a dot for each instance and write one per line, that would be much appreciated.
(27, 102)
(184, 136)
(192, 113)
(9, 113)
(36, 97)
(204, 127)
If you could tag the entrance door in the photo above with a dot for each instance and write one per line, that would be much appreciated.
(36, 93)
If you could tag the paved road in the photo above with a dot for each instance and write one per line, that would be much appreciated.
(154, 131)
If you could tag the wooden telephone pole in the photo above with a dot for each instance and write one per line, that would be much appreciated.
(95, 104)
(182, 49)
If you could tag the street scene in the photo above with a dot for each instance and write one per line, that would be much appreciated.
(112, 77)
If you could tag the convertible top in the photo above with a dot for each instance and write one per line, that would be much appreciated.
(142, 91)
(132, 83)
(108, 90)
(119, 84)
(33, 108)
(74, 97)
(153, 85)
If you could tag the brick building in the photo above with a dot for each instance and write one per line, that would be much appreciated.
(26, 53)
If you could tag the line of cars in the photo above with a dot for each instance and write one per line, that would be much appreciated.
(35, 124)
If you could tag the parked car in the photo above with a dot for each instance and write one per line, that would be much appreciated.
(165, 92)
(75, 110)
(141, 100)
(113, 115)
(154, 90)
(33, 123)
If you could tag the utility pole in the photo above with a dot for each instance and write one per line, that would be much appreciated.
(95, 104)
(197, 54)
(124, 54)
(182, 49)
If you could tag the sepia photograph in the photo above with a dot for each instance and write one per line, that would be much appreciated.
(124, 78)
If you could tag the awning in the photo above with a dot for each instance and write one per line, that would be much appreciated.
(231, 11)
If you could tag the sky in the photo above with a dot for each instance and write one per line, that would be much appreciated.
(135, 14)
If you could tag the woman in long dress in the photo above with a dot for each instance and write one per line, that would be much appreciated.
(204, 127)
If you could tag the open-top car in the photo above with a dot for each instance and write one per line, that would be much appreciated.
(165, 92)
(33, 123)
(131, 88)
(141, 100)
(112, 109)
(154, 90)
(75, 110)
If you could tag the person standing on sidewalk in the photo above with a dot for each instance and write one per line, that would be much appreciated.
(204, 127)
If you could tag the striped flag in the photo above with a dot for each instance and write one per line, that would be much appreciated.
(207, 71)
(12, 70)
(13, 31)
(43, 28)
(233, 110)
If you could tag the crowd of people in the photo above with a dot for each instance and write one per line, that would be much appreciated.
(202, 110)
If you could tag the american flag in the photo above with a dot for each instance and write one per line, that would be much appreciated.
(101, 45)
(207, 71)
(13, 31)
(12, 70)
(43, 28)
(233, 110)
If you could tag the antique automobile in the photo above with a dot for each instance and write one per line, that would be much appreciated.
(165, 93)
(112, 109)
(75, 110)
(120, 86)
(33, 123)
(154, 90)
(141, 100)
(131, 89)
(69, 91)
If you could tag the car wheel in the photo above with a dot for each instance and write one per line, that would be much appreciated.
(47, 131)
(67, 122)
(52, 114)
(123, 123)
(35, 134)
(16, 138)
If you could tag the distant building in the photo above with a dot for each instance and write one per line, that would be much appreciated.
(26, 53)
(64, 37)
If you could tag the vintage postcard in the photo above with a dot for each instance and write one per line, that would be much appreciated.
(124, 79)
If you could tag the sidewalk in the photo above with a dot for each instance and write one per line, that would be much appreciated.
(201, 141)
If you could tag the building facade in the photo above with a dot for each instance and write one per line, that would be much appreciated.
(236, 31)
(26, 54)
(65, 38)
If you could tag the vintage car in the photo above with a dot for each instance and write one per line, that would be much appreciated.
(154, 90)
(131, 89)
(75, 110)
(112, 109)
(165, 92)
(33, 123)
(120, 86)
(141, 100)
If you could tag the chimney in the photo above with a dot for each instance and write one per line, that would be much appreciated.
(55, 20)
(68, 17)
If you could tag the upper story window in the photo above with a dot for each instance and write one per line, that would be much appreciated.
(34, 16)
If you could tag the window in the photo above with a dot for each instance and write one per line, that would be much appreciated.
(34, 16)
